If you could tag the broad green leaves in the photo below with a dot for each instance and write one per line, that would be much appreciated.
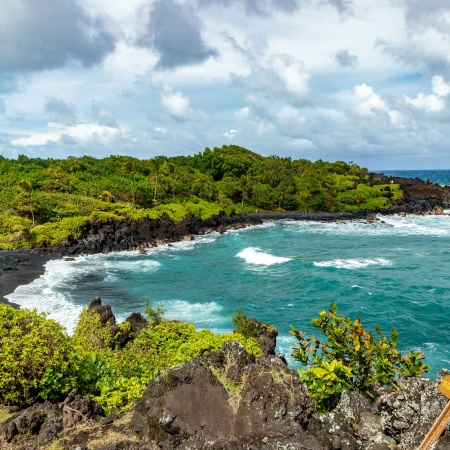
(350, 358)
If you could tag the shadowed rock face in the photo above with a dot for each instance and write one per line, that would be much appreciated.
(47, 420)
(226, 399)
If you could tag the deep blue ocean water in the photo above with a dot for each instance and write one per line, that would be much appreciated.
(394, 273)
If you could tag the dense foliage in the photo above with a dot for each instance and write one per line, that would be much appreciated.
(45, 201)
(351, 358)
(39, 361)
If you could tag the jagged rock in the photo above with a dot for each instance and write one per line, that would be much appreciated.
(120, 335)
(40, 418)
(137, 323)
(77, 408)
(105, 311)
(227, 399)
(408, 415)
(266, 337)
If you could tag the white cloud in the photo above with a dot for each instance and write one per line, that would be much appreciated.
(293, 76)
(230, 134)
(439, 86)
(176, 104)
(366, 100)
(434, 102)
(57, 132)
(243, 113)
(160, 130)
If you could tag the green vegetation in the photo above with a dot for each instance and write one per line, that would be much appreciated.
(39, 361)
(45, 202)
(351, 358)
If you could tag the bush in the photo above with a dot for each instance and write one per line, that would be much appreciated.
(125, 374)
(352, 358)
(35, 357)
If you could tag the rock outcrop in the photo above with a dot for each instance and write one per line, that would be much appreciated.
(228, 399)
(47, 420)
(103, 237)
(120, 335)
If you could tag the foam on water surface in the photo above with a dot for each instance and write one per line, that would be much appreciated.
(254, 255)
(282, 273)
(350, 264)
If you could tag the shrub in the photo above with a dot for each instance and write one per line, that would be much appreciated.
(35, 357)
(125, 374)
(352, 358)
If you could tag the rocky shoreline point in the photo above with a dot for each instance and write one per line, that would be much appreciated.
(230, 400)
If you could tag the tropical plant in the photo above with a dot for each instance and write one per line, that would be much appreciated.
(350, 358)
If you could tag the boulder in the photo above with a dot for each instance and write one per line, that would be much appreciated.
(47, 420)
(407, 415)
(227, 399)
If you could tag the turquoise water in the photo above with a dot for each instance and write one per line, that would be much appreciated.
(394, 273)
(436, 176)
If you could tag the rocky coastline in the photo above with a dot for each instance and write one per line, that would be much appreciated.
(230, 400)
(22, 266)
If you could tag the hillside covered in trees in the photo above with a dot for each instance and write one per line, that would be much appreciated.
(43, 201)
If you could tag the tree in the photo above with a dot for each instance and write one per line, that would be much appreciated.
(157, 164)
(245, 183)
(130, 166)
(27, 188)
(173, 170)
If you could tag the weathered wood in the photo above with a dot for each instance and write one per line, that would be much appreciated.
(437, 429)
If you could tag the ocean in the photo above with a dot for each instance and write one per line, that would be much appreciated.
(392, 272)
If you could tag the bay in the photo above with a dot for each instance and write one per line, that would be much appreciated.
(393, 272)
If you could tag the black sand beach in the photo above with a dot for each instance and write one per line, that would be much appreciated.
(19, 267)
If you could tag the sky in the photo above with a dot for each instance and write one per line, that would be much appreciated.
(360, 81)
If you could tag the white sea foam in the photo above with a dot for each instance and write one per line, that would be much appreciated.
(285, 344)
(254, 255)
(412, 225)
(202, 314)
(140, 265)
(358, 263)
(39, 295)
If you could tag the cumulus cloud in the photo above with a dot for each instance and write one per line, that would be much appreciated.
(343, 58)
(59, 133)
(61, 111)
(427, 33)
(433, 102)
(366, 101)
(174, 31)
(45, 35)
(230, 134)
(176, 104)
(292, 74)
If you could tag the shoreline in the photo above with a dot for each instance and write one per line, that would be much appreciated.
(23, 266)
(20, 267)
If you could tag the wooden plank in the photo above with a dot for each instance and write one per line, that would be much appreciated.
(437, 429)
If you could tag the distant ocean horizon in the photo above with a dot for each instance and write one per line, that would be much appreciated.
(441, 177)
(393, 272)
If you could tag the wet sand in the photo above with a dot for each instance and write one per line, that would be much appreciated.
(18, 267)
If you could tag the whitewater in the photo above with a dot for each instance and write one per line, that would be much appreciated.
(392, 272)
